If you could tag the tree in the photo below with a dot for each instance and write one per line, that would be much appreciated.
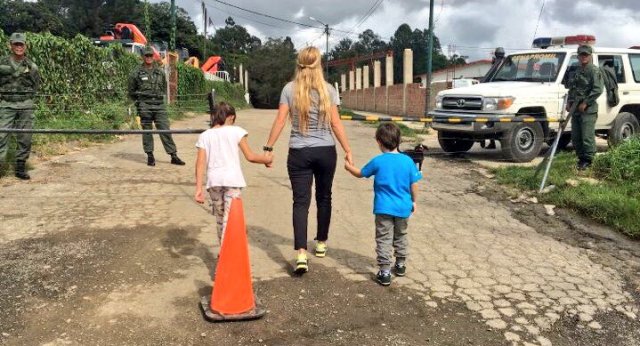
(234, 39)
(31, 16)
(272, 66)
(417, 40)
(369, 42)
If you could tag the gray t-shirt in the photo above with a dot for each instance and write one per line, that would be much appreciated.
(318, 134)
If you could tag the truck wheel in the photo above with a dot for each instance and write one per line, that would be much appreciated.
(624, 127)
(523, 142)
(451, 142)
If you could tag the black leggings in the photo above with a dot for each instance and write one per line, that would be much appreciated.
(304, 165)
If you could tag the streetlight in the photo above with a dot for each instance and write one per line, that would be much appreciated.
(326, 54)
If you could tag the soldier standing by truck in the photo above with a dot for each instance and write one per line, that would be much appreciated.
(585, 87)
(147, 86)
(19, 82)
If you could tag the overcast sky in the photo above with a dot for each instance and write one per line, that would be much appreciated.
(474, 27)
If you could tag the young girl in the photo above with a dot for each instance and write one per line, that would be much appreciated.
(218, 150)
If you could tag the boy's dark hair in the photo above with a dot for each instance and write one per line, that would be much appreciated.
(221, 112)
(388, 134)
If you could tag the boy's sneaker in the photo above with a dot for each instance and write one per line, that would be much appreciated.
(301, 264)
(321, 249)
(400, 269)
(383, 278)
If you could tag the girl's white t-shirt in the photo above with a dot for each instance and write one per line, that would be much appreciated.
(223, 159)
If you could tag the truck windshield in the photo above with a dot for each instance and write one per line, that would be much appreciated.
(532, 67)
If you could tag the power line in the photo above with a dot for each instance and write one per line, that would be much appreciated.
(366, 16)
(248, 18)
(267, 15)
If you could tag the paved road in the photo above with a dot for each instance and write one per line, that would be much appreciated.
(464, 247)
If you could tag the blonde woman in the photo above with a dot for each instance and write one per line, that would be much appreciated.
(311, 104)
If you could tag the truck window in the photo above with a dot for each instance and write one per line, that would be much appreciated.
(571, 69)
(613, 62)
(532, 67)
(635, 66)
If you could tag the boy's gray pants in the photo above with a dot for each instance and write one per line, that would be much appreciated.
(391, 233)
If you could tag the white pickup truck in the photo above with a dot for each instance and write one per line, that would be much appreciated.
(532, 84)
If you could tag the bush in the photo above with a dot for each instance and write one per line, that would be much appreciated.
(621, 163)
(191, 82)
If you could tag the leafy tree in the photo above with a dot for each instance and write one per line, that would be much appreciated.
(271, 66)
(31, 16)
(186, 32)
(417, 40)
(369, 42)
(235, 39)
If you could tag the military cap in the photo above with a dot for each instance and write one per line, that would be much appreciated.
(18, 37)
(585, 49)
(147, 50)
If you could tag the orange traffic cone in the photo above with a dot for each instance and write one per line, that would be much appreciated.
(232, 298)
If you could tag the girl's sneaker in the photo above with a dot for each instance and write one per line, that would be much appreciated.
(384, 277)
(321, 249)
(301, 264)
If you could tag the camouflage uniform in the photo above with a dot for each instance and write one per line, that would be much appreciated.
(147, 87)
(585, 85)
(19, 82)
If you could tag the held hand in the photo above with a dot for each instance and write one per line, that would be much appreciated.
(199, 196)
(348, 158)
(582, 107)
(269, 157)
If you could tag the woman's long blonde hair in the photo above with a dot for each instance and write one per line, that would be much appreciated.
(309, 77)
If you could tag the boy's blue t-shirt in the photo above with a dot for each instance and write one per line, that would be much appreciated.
(394, 173)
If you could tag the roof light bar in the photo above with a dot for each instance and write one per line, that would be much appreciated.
(545, 42)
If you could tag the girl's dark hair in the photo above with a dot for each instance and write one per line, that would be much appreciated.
(388, 134)
(221, 112)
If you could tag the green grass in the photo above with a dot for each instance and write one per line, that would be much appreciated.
(614, 201)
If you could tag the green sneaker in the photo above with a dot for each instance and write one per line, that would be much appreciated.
(383, 277)
(301, 264)
(400, 269)
(321, 249)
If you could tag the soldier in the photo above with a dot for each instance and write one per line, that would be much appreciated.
(585, 87)
(19, 82)
(147, 86)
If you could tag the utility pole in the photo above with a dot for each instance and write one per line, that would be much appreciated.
(429, 59)
(204, 42)
(326, 53)
(172, 37)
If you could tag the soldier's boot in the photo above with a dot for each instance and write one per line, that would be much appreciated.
(151, 160)
(21, 170)
(175, 160)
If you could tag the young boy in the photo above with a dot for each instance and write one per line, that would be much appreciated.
(395, 188)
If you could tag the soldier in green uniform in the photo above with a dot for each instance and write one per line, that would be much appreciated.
(19, 82)
(147, 86)
(585, 87)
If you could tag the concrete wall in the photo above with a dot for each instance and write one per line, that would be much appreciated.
(396, 100)
(399, 100)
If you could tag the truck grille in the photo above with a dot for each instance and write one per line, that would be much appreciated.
(462, 103)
